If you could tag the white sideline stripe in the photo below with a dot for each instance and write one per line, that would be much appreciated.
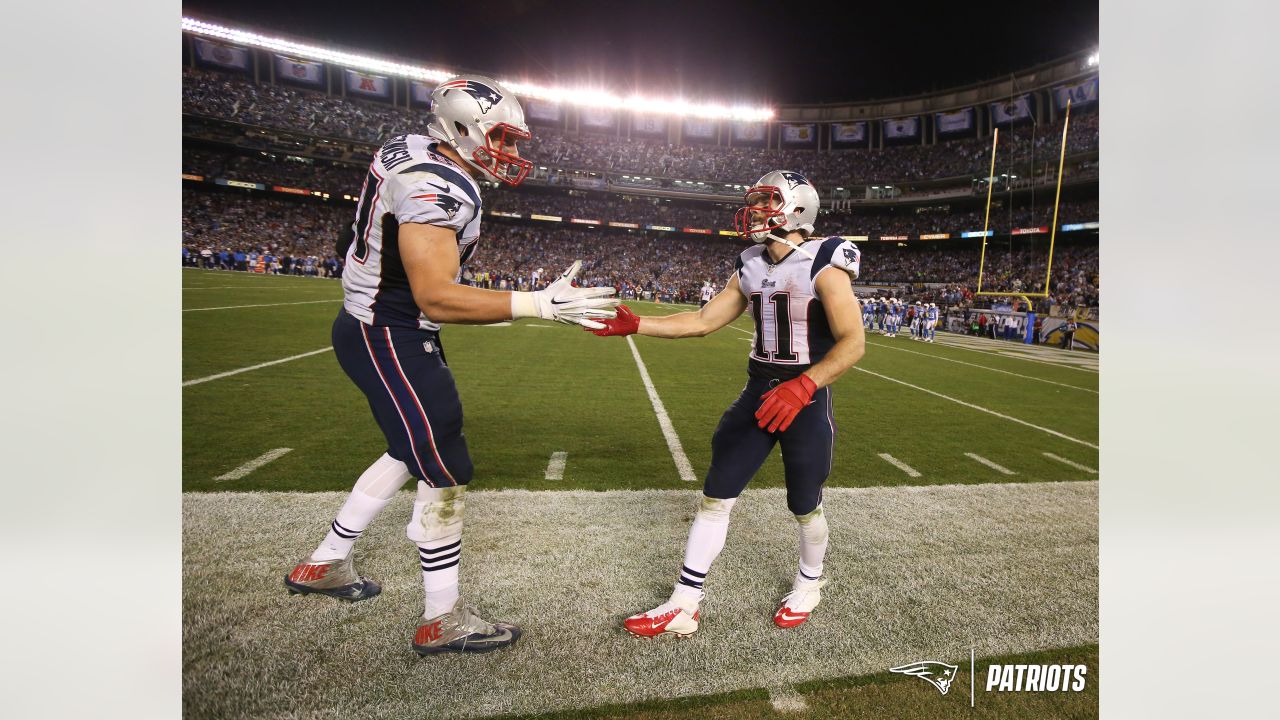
(910, 471)
(233, 287)
(990, 464)
(555, 468)
(664, 422)
(1010, 418)
(254, 464)
(786, 700)
(236, 307)
(229, 373)
(1073, 464)
(984, 367)
(952, 344)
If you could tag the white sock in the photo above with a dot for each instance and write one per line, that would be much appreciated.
(375, 488)
(813, 544)
(706, 540)
(436, 528)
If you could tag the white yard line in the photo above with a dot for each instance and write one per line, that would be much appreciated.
(236, 307)
(555, 468)
(988, 463)
(664, 422)
(1073, 464)
(786, 700)
(254, 464)
(234, 287)
(983, 367)
(949, 342)
(910, 471)
(979, 408)
(229, 373)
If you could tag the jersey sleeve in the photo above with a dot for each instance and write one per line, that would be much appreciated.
(429, 198)
(837, 252)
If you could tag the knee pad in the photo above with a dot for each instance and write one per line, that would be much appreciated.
(813, 526)
(437, 513)
(714, 510)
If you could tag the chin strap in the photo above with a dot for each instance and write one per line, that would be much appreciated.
(793, 246)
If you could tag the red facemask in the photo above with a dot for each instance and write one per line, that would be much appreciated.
(508, 168)
(745, 220)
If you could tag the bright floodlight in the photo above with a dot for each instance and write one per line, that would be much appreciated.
(584, 97)
(1093, 60)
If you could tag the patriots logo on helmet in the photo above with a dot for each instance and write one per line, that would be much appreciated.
(485, 95)
(794, 179)
(450, 205)
(937, 674)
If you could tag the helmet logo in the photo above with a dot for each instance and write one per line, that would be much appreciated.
(794, 179)
(487, 97)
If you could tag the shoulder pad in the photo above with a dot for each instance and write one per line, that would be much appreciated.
(835, 251)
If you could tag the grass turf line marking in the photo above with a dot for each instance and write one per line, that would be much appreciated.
(254, 464)
(990, 464)
(910, 471)
(786, 700)
(229, 373)
(237, 307)
(555, 468)
(664, 422)
(1010, 418)
(984, 367)
(958, 346)
(1073, 464)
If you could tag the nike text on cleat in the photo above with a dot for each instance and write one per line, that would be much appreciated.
(666, 619)
(335, 578)
(799, 603)
(462, 630)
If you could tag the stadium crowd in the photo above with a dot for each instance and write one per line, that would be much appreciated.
(235, 98)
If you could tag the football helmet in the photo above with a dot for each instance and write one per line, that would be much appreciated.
(482, 121)
(778, 203)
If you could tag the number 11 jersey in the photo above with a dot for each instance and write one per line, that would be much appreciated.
(791, 331)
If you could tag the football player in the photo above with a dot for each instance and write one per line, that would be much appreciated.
(417, 220)
(807, 333)
(930, 321)
(708, 292)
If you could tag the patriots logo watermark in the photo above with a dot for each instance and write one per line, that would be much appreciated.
(794, 179)
(937, 674)
(485, 95)
(450, 205)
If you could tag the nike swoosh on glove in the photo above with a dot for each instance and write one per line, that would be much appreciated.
(626, 323)
(562, 302)
(781, 404)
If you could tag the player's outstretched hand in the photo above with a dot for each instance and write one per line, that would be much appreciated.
(562, 302)
(781, 404)
(626, 323)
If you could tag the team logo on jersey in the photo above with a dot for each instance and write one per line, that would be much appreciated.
(794, 179)
(447, 203)
(937, 674)
(850, 255)
(485, 95)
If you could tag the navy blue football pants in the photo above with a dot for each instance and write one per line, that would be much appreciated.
(739, 447)
(412, 394)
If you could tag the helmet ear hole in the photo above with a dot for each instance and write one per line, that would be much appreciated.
(462, 129)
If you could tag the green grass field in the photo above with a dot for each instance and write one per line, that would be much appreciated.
(1004, 562)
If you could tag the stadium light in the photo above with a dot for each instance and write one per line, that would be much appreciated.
(571, 96)
(1093, 60)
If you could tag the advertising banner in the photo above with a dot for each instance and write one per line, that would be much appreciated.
(854, 132)
(902, 127)
(375, 86)
(957, 121)
(222, 55)
(306, 72)
(1018, 108)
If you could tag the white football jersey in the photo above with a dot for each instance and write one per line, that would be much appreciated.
(408, 182)
(792, 332)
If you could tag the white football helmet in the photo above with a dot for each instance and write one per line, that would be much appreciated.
(780, 201)
(482, 121)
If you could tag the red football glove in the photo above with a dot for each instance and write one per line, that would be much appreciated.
(781, 404)
(626, 323)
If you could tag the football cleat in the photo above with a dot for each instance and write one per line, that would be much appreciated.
(796, 606)
(462, 630)
(669, 618)
(335, 578)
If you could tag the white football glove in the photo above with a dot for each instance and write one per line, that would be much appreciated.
(562, 302)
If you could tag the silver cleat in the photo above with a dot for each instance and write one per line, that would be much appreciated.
(335, 578)
(462, 630)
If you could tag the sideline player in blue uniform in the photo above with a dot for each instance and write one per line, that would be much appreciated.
(930, 321)
(800, 294)
(417, 220)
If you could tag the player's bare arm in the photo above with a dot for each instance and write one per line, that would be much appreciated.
(844, 316)
(719, 311)
(430, 256)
